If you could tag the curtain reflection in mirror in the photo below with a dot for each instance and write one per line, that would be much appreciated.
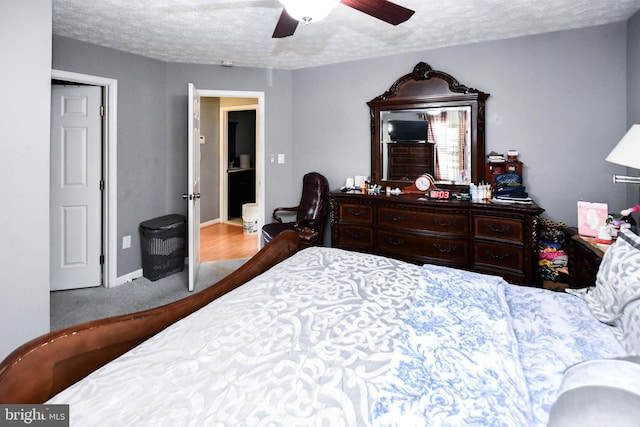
(448, 129)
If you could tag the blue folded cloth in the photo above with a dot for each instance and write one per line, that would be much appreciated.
(511, 191)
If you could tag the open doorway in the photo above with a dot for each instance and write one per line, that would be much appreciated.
(232, 143)
(238, 149)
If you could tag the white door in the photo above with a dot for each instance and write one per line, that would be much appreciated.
(193, 195)
(76, 174)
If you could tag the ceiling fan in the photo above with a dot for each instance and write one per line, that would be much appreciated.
(294, 11)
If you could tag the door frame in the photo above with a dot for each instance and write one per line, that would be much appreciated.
(110, 169)
(224, 153)
(260, 145)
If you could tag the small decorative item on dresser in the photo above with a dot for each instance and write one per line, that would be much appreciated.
(421, 185)
(627, 218)
(439, 194)
(590, 217)
(604, 235)
(508, 187)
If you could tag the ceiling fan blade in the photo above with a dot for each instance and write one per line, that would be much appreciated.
(384, 10)
(285, 27)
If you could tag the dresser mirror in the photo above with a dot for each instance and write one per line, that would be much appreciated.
(427, 122)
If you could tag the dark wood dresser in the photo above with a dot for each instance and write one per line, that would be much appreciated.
(410, 160)
(500, 239)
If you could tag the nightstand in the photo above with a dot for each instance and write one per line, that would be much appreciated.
(585, 256)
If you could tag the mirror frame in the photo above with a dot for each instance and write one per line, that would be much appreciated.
(428, 88)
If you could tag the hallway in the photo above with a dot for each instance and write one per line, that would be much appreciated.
(226, 241)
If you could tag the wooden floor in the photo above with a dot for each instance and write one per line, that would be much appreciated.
(226, 241)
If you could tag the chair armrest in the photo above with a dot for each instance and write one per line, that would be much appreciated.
(276, 210)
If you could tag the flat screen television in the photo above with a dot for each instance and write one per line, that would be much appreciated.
(408, 130)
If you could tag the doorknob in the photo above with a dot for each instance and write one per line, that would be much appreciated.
(187, 196)
(196, 196)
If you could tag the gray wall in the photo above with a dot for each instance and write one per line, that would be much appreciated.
(25, 76)
(558, 98)
(152, 128)
(145, 155)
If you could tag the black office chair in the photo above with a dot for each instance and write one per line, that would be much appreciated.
(311, 213)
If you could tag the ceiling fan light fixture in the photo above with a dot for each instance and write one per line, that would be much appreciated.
(309, 10)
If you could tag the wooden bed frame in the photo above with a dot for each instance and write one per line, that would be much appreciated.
(44, 366)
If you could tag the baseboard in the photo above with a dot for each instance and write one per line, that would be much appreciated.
(128, 277)
(208, 223)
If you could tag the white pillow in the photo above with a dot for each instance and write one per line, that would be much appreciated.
(604, 392)
(615, 300)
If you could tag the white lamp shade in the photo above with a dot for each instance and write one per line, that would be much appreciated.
(627, 152)
(309, 10)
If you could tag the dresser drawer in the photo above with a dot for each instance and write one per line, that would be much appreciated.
(434, 221)
(499, 256)
(484, 237)
(507, 229)
(412, 150)
(451, 251)
(356, 213)
(355, 236)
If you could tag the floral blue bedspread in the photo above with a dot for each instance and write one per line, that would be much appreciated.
(475, 350)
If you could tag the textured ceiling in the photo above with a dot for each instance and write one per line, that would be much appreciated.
(212, 31)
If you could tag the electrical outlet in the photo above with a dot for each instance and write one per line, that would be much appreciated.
(126, 242)
(281, 159)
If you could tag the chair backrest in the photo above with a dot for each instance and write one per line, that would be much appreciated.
(315, 198)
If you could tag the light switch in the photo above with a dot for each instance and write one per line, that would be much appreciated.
(281, 159)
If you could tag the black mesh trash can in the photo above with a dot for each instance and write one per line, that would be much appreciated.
(163, 246)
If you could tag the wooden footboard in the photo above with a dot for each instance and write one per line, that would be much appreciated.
(41, 368)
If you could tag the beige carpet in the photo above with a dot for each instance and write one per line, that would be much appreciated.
(81, 305)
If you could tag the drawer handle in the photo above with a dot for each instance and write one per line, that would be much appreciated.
(503, 228)
(442, 223)
(447, 250)
(502, 256)
(394, 242)
(356, 234)
(394, 218)
(355, 212)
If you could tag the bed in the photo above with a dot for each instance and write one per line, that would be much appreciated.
(328, 337)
